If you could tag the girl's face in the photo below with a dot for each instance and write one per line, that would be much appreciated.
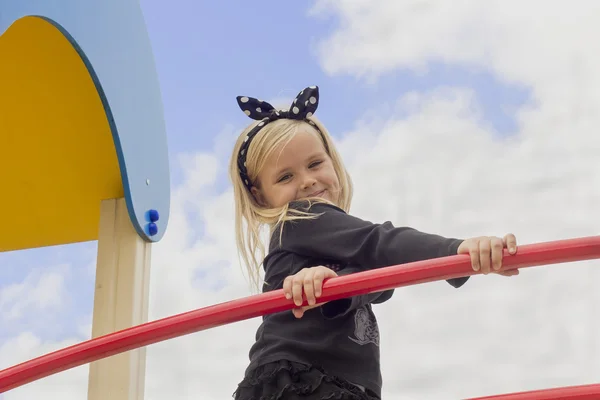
(298, 169)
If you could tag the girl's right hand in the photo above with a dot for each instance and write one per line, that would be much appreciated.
(309, 281)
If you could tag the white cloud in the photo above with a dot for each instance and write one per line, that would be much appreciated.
(40, 291)
(440, 169)
(531, 41)
(70, 384)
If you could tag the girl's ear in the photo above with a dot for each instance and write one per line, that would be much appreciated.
(258, 196)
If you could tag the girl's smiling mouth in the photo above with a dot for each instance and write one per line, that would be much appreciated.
(317, 194)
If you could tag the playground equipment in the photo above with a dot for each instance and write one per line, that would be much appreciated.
(84, 154)
(86, 160)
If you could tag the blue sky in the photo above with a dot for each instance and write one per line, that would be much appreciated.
(206, 54)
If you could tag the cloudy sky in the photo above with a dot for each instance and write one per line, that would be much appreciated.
(459, 118)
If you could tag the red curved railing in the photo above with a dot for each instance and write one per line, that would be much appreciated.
(336, 288)
(583, 392)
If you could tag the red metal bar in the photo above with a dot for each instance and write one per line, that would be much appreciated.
(583, 392)
(237, 310)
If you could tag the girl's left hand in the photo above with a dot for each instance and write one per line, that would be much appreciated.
(487, 252)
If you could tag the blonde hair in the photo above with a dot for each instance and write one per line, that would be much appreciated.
(250, 216)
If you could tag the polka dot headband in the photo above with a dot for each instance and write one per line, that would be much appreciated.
(303, 106)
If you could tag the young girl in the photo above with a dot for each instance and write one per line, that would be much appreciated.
(288, 176)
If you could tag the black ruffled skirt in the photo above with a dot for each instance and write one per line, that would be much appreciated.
(287, 380)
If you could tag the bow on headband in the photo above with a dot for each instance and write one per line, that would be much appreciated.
(303, 106)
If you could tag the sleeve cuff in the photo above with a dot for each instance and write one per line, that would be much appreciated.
(452, 251)
(453, 248)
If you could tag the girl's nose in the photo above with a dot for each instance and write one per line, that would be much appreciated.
(308, 182)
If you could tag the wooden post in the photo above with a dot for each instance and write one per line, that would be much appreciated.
(120, 301)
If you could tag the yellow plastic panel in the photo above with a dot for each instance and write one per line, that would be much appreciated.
(57, 155)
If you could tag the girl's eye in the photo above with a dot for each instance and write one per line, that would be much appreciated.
(315, 164)
(283, 178)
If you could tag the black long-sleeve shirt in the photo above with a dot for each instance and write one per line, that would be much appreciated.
(341, 336)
